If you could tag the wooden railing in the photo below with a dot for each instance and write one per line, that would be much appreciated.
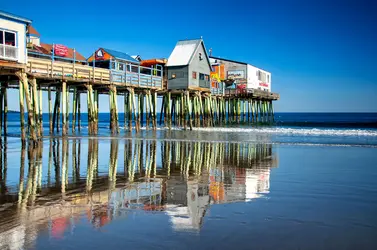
(56, 69)
(254, 92)
(72, 71)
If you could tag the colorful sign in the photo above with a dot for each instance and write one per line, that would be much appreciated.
(236, 74)
(263, 84)
(60, 50)
(100, 54)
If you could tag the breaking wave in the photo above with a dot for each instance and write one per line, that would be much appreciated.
(294, 131)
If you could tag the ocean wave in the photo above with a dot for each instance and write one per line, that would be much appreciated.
(294, 131)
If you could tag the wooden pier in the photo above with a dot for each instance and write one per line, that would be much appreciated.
(188, 100)
(184, 108)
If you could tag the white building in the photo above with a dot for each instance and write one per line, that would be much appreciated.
(243, 74)
(13, 37)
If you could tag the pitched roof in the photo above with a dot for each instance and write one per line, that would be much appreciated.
(32, 31)
(121, 55)
(184, 52)
(14, 17)
(47, 50)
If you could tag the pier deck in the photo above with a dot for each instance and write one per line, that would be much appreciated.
(190, 107)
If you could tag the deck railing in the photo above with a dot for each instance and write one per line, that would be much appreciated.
(57, 69)
(45, 67)
(8, 52)
(138, 75)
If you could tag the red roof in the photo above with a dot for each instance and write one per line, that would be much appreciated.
(32, 31)
(47, 50)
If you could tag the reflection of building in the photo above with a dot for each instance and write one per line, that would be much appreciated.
(200, 174)
(238, 184)
(187, 212)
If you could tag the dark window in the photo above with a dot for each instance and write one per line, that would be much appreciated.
(194, 74)
(1, 37)
(201, 76)
(121, 66)
(200, 56)
(177, 75)
(112, 65)
(10, 38)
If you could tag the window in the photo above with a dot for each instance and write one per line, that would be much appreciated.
(177, 74)
(120, 66)
(194, 74)
(10, 38)
(112, 65)
(8, 44)
(7, 38)
(201, 76)
(200, 56)
(207, 77)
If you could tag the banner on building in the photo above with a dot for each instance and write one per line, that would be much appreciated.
(60, 50)
(236, 74)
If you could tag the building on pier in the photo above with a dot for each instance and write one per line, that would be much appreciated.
(156, 63)
(53, 52)
(126, 69)
(189, 66)
(13, 39)
(241, 75)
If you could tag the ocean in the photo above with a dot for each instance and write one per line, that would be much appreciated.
(306, 182)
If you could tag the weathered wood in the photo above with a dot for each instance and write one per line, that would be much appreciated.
(50, 109)
(40, 110)
(74, 108)
(22, 110)
(5, 110)
(129, 100)
(162, 109)
(154, 110)
(29, 107)
(64, 97)
(1, 118)
(141, 97)
(79, 111)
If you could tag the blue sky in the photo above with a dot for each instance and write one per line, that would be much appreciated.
(322, 54)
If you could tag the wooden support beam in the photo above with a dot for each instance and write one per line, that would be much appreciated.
(50, 109)
(1, 120)
(74, 108)
(29, 107)
(155, 110)
(64, 95)
(129, 100)
(79, 111)
(22, 109)
(40, 110)
(5, 126)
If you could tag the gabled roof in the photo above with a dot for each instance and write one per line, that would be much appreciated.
(120, 55)
(184, 52)
(14, 17)
(32, 31)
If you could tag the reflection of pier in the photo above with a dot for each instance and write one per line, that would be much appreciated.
(182, 179)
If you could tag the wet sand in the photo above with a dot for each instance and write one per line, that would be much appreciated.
(113, 193)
